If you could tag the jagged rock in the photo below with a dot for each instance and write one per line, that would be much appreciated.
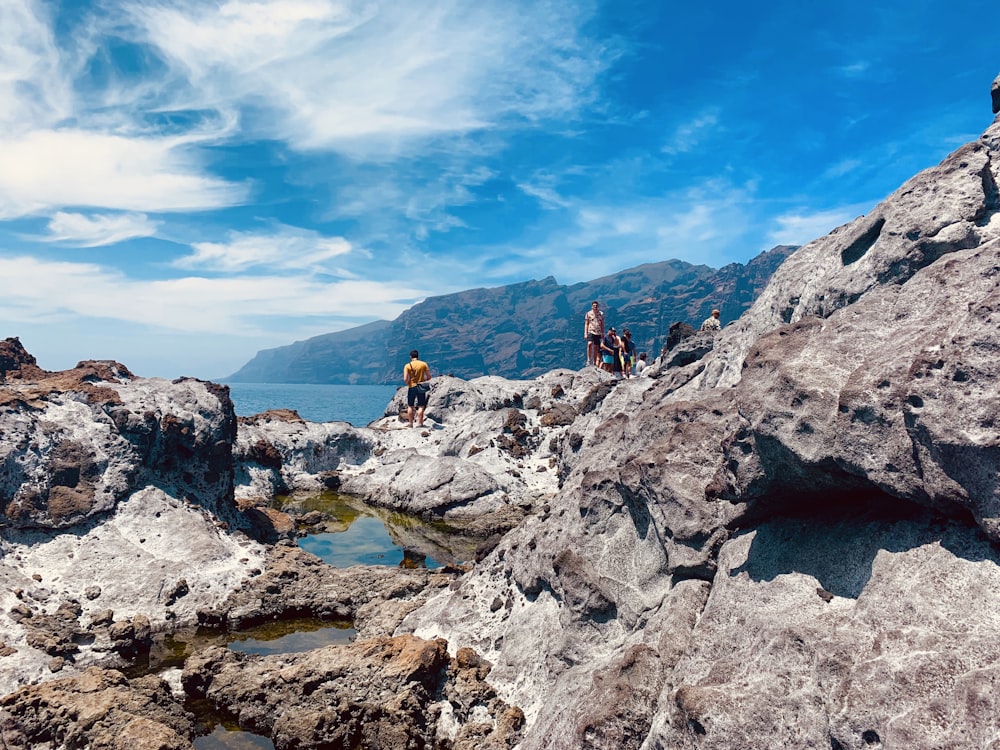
(98, 466)
(99, 708)
(688, 350)
(676, 334)
(129, 638)
(386, 692)
(295, 583)
(15, 362)
(78, 442)
(277, 451)
(864, 377)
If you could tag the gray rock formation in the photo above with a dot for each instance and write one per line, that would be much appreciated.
(384, 692)
(751, 537)
(116, 494)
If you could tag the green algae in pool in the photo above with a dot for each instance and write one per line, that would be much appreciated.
(357, 534)
(291, 636)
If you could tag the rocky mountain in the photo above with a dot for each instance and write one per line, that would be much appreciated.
(519, 330)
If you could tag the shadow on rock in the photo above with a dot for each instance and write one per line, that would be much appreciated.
(838, 545)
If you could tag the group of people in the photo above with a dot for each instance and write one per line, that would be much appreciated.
(608, 349)
(605, 349)
(616, 353)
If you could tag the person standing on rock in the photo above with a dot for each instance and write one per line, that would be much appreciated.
(607, 349)
(628, 352)
(711, 323)
(593, 332)
(416, 374)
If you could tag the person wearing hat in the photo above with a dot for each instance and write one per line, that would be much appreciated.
(711, 323)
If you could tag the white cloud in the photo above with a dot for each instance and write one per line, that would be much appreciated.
(370, 78)
(799, 228)
(843, 167)
(690, 134)
(542, 189)
(49, 169)
(32, 291)
(98, 229)
(855, 69)
(288, 248)
(32, 87)
(699, 225)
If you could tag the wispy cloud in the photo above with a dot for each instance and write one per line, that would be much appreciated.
(855, 69)
(688, 135)
(33, 88)
(367, 79)
(841, 168)
(798, 228)
(594, 237)
(51, 169)
(543, 188)
(95, 230)
(33, 290)
(286, 248)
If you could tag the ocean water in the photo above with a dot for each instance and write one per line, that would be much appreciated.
(357, 404)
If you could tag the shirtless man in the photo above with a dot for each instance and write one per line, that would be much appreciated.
(415, 373)
(593, 332)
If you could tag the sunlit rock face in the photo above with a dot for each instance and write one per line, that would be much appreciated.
(118, 511)
(77, 442)
(791, 539)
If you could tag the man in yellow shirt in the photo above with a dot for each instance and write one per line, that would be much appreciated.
(415, 374)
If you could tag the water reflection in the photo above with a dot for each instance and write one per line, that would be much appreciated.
(278, 637)
(342, 531)
(225, 734)
(353, 533)
(293, 637)
(222, 738)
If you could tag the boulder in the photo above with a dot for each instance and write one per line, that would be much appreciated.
(384, 692)
(100, 708)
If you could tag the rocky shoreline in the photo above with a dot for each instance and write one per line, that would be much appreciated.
(786, 535)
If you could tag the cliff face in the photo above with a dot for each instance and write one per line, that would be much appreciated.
(519, 330)
(791, 541)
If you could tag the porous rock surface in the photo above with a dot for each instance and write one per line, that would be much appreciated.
(117, 512)
(790, 541)
(383, 692)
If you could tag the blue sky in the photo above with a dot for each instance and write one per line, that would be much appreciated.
(183, 183)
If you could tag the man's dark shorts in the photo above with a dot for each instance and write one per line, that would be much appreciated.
(595, 338)
(414, 397)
